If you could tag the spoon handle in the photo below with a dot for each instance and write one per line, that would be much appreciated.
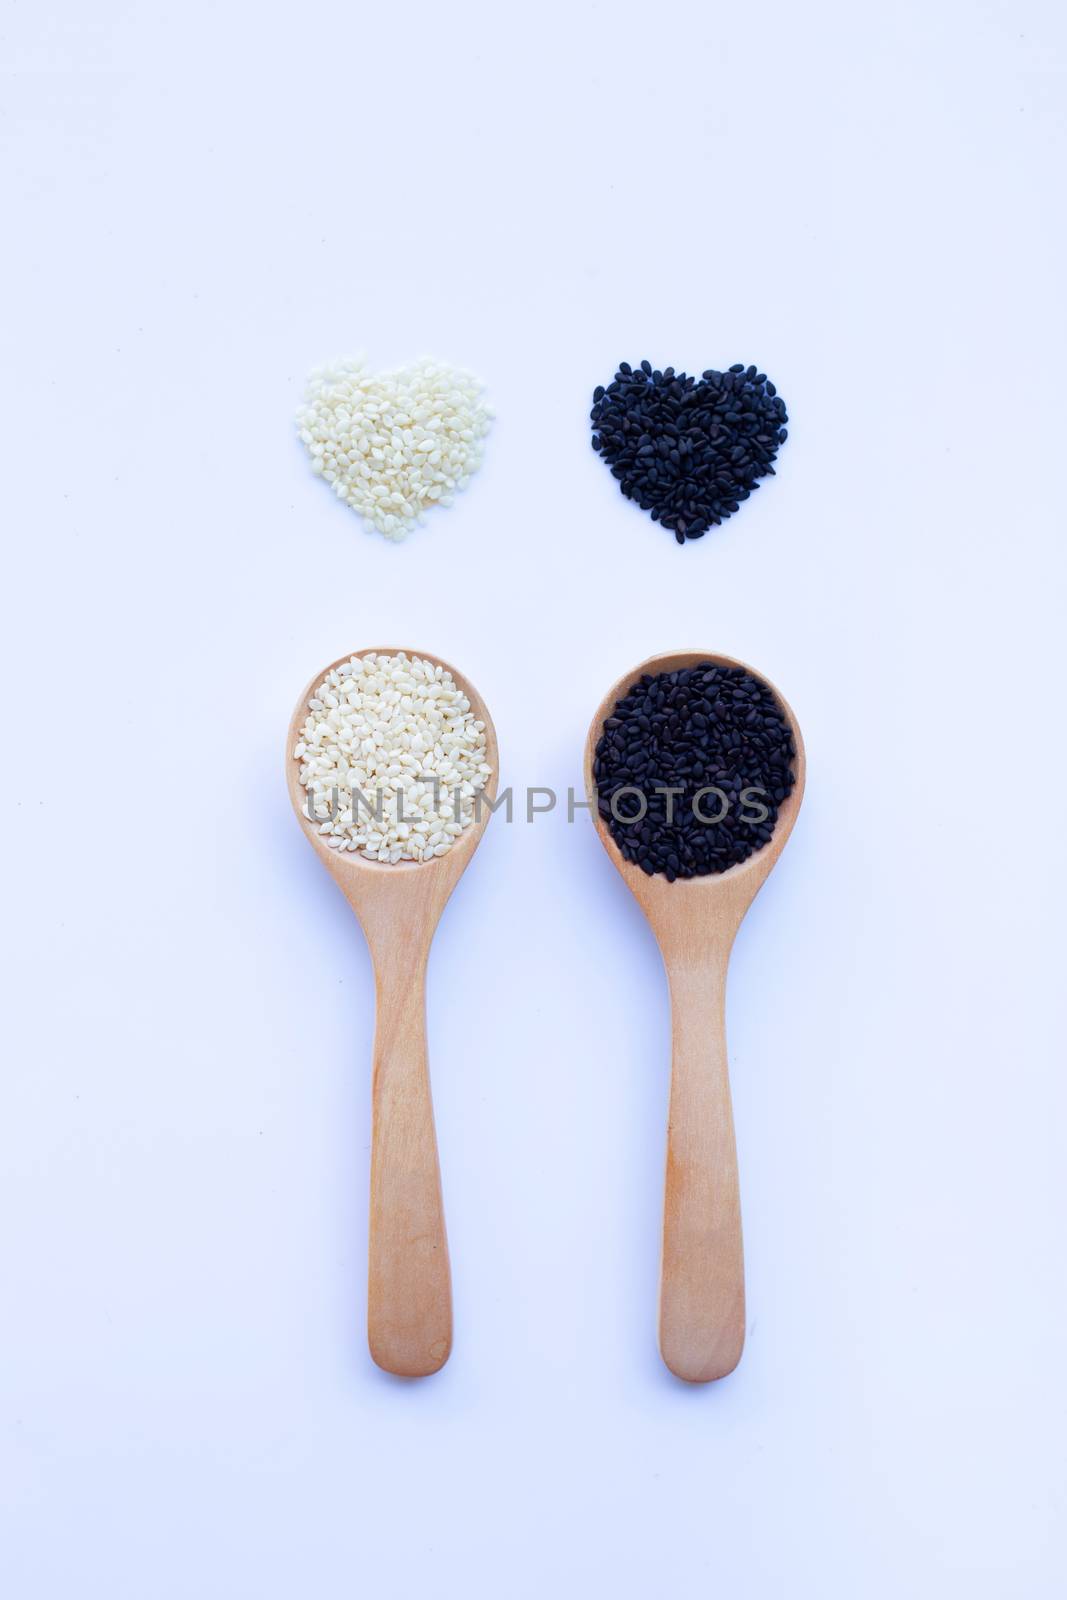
(702, 1288)
(409, 1301)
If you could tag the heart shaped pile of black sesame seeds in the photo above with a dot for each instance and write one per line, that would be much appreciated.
(688, 450)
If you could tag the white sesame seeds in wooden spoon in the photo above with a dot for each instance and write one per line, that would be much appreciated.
(409, 1303)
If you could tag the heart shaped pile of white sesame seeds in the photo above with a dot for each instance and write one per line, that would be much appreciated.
(393, 443)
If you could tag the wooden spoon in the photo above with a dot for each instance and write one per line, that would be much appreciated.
(695, 921)
(409, 1300)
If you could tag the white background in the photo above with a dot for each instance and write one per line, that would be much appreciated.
(201, 202)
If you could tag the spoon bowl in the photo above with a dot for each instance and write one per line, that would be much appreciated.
(399, 904)
(695, 922)
(457, 858)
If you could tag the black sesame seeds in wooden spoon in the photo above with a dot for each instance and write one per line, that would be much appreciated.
(691, 768)
(695, 918)
(688, 450)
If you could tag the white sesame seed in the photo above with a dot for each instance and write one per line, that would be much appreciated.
(388, 740)
(395, 442)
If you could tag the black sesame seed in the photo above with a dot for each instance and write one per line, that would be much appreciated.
(690, 477)
(666, 733)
